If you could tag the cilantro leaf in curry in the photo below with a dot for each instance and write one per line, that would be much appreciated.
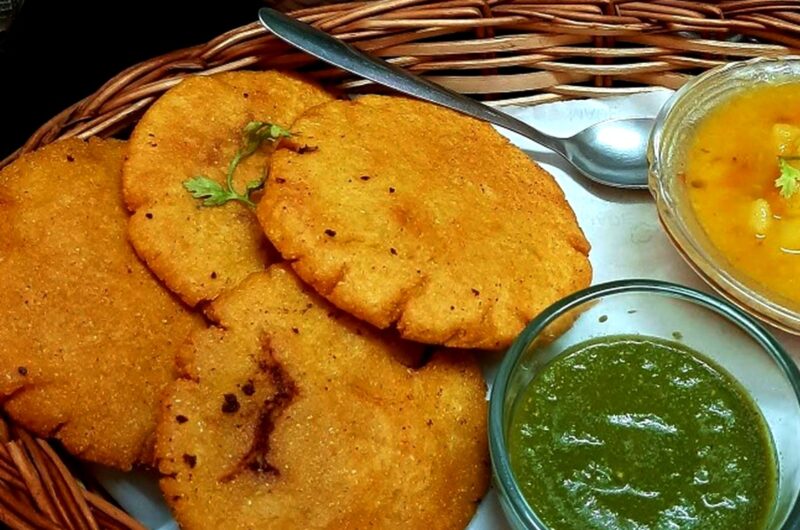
(789, 178)
(212, 193)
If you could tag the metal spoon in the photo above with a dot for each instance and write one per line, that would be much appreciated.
(611, 152)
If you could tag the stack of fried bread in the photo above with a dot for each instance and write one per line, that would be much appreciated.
(277, 299)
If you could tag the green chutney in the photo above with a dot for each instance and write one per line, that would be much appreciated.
(638, 433)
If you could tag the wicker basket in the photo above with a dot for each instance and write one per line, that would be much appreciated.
(517, 51)
(505, 52)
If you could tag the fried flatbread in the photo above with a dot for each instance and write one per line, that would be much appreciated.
(403, 213)
(195, 130)
(292, 414)
(88, 337)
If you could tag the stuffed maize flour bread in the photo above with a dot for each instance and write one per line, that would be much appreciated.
(88, 337)
(192, 134)
(292, 414)
(404, 213)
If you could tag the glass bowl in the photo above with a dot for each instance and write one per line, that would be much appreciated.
(669, 143)
(718, 330)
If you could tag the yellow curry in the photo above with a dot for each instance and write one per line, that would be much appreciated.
(742, 170)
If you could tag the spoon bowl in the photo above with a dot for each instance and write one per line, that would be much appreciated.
(610, 153)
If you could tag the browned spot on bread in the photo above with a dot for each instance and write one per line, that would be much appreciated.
(256, 459)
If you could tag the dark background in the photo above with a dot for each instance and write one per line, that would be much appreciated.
(57, 52)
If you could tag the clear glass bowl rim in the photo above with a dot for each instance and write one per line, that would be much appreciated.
(719, 276)
(504, 476)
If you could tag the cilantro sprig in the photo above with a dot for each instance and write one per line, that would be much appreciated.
(789, 179)
(212, 193)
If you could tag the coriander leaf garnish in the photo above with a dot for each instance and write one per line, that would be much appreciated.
(212, 192)
(790, 176)
(257, 132)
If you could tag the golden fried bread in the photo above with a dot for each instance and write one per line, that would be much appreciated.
(404, 213)
(195, 130)
(291, 414)
(88, 337)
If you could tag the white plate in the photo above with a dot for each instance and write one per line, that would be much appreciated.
(627, 242)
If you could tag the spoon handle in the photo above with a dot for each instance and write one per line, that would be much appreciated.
(331, 50)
